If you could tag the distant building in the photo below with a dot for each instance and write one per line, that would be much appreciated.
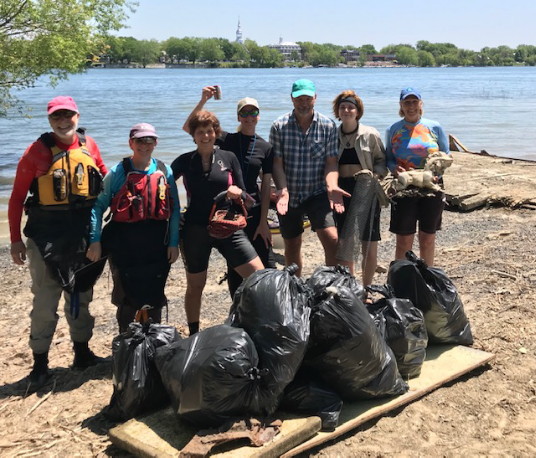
(287, 48)
(350, 55)
(239, 38)
(382, 57)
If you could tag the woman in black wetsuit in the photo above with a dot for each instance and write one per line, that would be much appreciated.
(255, 156)
(206, 172)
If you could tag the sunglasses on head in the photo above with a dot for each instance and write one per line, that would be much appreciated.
(146, 140)
(245, 114)
(66, 114)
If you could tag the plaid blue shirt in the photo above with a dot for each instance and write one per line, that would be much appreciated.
(304, 154)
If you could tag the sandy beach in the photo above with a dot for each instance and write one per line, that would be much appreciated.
(490, 254)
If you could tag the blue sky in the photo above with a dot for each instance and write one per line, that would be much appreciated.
(469, 24)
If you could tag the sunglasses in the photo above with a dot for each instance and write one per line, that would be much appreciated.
(245, 114)
(145, 140)
(62, 114)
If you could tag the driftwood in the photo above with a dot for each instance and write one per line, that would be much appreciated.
(478, 180)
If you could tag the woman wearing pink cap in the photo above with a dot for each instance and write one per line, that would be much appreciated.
(143, 236)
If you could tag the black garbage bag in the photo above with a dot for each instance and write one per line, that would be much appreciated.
(325, 276)
(212, 376)
(137, 384)
(307, 396)
(387, 383)
(404, 329)
(431, 291)
(347, 351)
(273, 307)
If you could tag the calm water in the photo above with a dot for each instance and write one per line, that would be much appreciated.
(486, 108)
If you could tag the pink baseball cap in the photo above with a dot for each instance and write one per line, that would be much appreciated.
(142, 129)
(62, 102)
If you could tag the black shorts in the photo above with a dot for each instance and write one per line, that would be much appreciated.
(371, 230)
(406, 211)
(196, 246)
(317, 209)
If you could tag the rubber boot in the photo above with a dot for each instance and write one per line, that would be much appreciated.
(39, 375)
(84, 357)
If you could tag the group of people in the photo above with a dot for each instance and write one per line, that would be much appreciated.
(66, 191)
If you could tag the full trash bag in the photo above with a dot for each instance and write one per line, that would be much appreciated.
(307, 396)
(347, 351)
(212, 376)
(432, 291)
(137, 384)
(404, 330)
(273, 307)
(325, 276)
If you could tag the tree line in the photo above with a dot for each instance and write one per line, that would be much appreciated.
(56, 38)
(220, 52)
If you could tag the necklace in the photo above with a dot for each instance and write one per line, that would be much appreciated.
(206, 164)
(347, 139)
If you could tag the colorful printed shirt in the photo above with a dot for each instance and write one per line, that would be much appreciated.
(409, 144)
(304, 154)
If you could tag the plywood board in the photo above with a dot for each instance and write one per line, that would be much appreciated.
(162, 435)
(443, 364)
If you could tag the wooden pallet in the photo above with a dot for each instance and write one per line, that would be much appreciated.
(442, 365)
(161, 434)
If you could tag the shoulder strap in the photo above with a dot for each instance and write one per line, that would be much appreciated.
(127, 165)
(47, 139)
(81, 132)
(161, 166)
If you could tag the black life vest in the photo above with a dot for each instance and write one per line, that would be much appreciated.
(72, 179)
(142, 196)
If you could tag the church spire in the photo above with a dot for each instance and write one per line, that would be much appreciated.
(239, 33)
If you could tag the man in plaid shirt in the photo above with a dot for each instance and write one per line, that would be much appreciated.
(306, 173)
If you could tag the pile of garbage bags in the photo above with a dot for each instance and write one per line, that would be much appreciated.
(288, 344)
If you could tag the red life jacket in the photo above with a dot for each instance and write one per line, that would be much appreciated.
(142, 196)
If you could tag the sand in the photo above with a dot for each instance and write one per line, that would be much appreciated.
(490, 255)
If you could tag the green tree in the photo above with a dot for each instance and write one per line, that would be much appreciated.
(227, 47)
(240, 53)
(176, 48)
(406, 55)
(54, 38)
(425, 59)
(211, 51)
(146, 52)
(192, 48)
(367, 50)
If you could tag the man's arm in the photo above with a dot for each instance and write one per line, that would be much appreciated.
(335, 193)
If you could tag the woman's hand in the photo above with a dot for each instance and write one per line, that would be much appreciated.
(94, 252)
(263, 231)
(207, 93)
(233, 192)
(172, 254)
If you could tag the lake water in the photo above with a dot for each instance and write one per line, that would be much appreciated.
(485, 108)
